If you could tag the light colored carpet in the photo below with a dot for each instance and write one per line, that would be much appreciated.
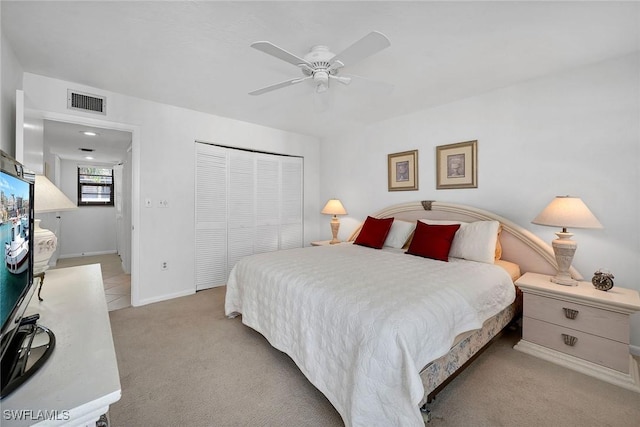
(182, 363)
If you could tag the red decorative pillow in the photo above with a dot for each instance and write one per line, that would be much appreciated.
(374, 232)
(432, 241)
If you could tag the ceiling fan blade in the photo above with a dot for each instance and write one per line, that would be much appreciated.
(373, 86)
(372, 43)
(278, 86)
(342, 79)
(273, 50)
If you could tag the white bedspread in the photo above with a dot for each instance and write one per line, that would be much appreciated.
(361, 323)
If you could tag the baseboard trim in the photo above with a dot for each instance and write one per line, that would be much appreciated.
(634, 349)
(84, 254)
(163, 298)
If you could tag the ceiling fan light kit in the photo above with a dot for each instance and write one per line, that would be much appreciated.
(320, 64)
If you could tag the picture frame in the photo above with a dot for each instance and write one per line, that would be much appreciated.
(402, 170)
(457, 165)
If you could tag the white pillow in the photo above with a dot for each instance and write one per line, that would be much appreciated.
(476, 241)
(399, 233)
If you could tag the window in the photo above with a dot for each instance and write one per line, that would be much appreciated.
(95, 186)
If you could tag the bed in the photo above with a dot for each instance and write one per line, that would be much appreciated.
(378, 331)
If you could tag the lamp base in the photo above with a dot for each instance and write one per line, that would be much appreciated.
(335, 226)
(564, 248)
(566, 281)
(44, 245)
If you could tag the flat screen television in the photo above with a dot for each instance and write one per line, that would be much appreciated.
(18, 358)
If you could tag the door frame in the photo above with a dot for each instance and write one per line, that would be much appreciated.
(135, 178)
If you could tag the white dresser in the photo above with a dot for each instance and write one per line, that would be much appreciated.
(80, 380)
(580, 327)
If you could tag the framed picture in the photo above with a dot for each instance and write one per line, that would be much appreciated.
(403, 171)
(457, 165)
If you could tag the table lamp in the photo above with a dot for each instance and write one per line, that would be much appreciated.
(48, 198)
(565, 212)
(334, 207)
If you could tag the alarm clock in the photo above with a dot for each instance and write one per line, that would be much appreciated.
(602, 280)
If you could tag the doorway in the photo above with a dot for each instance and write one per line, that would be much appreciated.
(93, 234)
(53, 158)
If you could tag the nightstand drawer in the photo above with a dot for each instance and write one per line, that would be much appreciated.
(612, 354)
(592, 320)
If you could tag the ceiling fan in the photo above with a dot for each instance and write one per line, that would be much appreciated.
(321, 65)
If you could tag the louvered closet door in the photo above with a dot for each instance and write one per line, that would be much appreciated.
(211, 216)
(246, 203)
(242, 208)
(291, 203)
(267, 205)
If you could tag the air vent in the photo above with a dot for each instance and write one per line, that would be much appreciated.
(86, 102)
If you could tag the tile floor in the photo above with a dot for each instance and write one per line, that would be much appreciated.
(117, 284)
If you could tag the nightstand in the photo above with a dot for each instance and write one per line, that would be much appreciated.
(580, 327)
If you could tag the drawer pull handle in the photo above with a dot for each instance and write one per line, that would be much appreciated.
(570, 313)
(569, 340)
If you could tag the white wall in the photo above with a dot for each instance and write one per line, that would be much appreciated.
(33, 146)
(88, 230)
(575, 133)
(163, 168)
(10, 80)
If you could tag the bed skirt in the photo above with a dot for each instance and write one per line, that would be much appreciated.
(440, 370)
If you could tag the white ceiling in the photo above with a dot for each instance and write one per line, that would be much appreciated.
(68, 139)
(196, 54)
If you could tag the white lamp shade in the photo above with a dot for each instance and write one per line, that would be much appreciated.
(334, 207)
(567, 212)
(49, 198)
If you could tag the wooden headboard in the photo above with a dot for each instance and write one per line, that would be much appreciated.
(519, 246)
